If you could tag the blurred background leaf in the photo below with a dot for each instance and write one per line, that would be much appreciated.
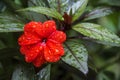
(111, 2)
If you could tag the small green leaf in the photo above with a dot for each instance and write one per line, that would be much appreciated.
(11, 27)
(76, 55)
(23, 73)
(98, 33)
(46, 11)
(44, 74)
(77, 9)
(98, 13)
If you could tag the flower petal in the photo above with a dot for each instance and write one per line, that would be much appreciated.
(47, 28)
(55, 48)
(31, 51)
(49, 56)
(24, 49)
(39, 60)
(32, 26)
(58, 36)
(28, 39)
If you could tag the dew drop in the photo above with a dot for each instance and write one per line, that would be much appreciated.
(48, 58)
(37, 50)
(56, 50)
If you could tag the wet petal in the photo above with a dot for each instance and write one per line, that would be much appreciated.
(24, 49)
(58, 36)
(31, 51)
(55, 48)
(50, 56)
(28, 39)
(32, 26)
(39, 60)
(47, 28)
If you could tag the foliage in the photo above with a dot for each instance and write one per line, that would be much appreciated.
(92, 45)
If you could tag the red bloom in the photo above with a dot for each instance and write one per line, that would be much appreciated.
(41, 43)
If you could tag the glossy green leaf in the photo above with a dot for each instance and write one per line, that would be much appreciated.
(23, 73)
(10, 23)
(76, 55)
(33, 15)
(44, 74)
(98, 13)
(77, 9)
(11, 27)
(46, 11)
(9, 18)
(98, 33)
(63, 5)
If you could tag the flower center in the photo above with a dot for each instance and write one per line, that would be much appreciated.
(44, 40)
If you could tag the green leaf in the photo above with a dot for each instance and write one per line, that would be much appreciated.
(77, 9)
(76, 55)
(98, 13)
(33, 15)
(63, 5)
(42, 3)
(11, 27)
(115, 69)
(109, 22)
(9, 18)
(10, 23)
(103, 76)
(44, 74)
(110, 2)
(98, 33)
(54, 4)
(23, 73)
(46, 11)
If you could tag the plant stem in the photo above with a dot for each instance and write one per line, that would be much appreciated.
(59, 7)
(80, 37)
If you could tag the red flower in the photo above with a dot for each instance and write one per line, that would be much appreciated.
(41, 43)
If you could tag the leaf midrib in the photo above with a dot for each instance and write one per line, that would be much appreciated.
(97, 32)
(74, 55)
